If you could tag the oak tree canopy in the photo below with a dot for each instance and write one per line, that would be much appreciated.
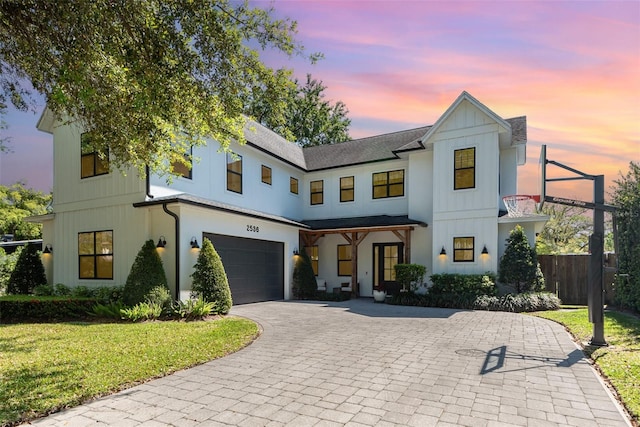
(148, 78)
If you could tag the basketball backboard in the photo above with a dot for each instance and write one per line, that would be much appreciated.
(542, 176)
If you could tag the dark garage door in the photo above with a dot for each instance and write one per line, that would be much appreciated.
(255, 268)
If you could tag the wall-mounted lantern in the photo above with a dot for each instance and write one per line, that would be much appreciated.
(48, 249)
(443, 252)
(484, 251)
(162, 242)
(194, 243)
(296, 252)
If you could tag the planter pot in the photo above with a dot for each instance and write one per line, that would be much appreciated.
(379, 296)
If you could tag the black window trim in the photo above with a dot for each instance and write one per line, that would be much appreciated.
(350, 260)
(95, 255)
(455, 169)
(263, 167)
(472, 249)
(312, 193)
(96, 158)
(352, 188)
(229, 171)
(387, 184)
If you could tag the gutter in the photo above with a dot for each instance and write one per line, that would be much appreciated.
(177, 240)
(148, 183)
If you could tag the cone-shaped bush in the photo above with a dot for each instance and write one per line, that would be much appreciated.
(518, 265)
(304, 280)
(210, 280)
(28, 272)
(146, 273)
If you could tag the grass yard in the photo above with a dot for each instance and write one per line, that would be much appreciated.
(48, 366)
(620, 361)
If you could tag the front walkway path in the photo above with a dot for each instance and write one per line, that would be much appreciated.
(358, 363)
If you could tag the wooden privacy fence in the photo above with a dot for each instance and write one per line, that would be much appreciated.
(566, 276)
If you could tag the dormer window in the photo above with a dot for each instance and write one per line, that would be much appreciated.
(91, 163)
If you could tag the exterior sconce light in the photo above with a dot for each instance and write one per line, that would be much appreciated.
(484, 251)
(443, 252)
(48, 249)
(162, 242)
(296, 252)
(194, 243)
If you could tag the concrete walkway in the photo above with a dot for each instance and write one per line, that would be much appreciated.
(358, 363)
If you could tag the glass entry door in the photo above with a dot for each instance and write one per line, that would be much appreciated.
(385, 257)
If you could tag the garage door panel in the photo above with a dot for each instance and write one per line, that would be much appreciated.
(255, 268)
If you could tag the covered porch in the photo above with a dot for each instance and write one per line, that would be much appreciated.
(388, 242)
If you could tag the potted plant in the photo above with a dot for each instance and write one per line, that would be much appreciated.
(379, 293)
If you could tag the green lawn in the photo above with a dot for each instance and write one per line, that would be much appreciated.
(47, 366)
(620, 361)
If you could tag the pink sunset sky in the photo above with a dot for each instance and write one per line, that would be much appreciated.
(572, 67)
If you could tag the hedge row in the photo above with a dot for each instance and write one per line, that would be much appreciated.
(24, 307)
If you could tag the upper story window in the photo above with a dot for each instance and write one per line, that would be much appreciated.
(388, 184)
(347, 193)
(266, 174)
(91, 164)
(317, 192)
(464, 168)
(234, 172)
(293, 185)
(463, 249)
(312, 251)
(95, 255)
(344, 260)
(184, 169)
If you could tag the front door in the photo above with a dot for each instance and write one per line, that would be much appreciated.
(385, 257)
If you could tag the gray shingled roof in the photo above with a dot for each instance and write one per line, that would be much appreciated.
(273, 144)
(357, 151)
(361, 222)
(211, 204)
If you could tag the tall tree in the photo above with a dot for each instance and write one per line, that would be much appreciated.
(149, 78)
(309, 119)
(626, 197)
(18, 202)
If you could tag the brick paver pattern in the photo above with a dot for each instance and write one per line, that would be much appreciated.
(357, 363)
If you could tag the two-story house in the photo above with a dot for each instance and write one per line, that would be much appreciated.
(431, 195)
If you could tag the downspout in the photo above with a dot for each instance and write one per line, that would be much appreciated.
(177, 240)
(148, 183)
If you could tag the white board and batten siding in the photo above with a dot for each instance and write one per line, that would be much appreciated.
(467, 212)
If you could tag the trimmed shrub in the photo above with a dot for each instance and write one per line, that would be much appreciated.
(28, 272)
(304, 284)
(109, 294)
(518, 303)
(82, 292)
(410, 276)
(26, 307)
(62, 290)
(519, 264)
(459, 290)
(146, 273)
(44, 290)
(210, 280)
(160, 296)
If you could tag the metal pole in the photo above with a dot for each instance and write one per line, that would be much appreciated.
(596, 269)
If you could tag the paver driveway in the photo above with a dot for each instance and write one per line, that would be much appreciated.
(358, 363)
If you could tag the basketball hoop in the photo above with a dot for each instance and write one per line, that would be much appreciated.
(520, 204)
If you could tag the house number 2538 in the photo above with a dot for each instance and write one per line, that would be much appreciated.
(253, 228)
